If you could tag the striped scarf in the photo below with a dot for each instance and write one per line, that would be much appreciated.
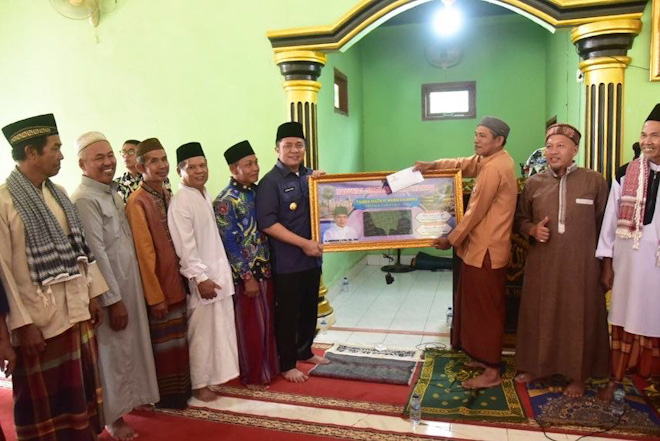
(633, 201)
(52, 256)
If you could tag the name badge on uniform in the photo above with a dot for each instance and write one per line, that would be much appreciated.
(584, 201)
(286, 190)
(293, 206)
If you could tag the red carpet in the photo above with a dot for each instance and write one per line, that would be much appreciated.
(200, 425)
(329, 393)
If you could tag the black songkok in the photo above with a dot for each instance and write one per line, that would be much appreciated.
(655, 113)
(290, 130)
(29, 128)
(189, 150)
(238, 151)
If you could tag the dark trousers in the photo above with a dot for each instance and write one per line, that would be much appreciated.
(296, 303)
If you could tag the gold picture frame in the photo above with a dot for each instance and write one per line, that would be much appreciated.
(355, 211)
(655, 42)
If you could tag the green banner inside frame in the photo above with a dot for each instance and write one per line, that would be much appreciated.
(356, 211)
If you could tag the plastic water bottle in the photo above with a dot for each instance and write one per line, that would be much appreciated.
(344, 285)
(618, 402)
(450, 317)
(416, 410)
(324, 326)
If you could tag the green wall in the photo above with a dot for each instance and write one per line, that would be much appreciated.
(504, 55)
(562, 90)
(640, 93)
(340, 139)
(165, 68)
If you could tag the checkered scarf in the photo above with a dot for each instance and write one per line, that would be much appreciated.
(52, 256)
(633, 201)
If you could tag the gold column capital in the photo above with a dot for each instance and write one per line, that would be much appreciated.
(300, 55)
(615, 62)
(606, 27)
(304, 86)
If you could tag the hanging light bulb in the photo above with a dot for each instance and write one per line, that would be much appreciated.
(448, 20)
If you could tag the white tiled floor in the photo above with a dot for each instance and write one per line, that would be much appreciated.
(409, 312)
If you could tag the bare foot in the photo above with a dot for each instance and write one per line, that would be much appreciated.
(257, 386)
(489, 377)
(121, 431)
(607, 393)
(575, 389)
(294, 376)
(474, 364)
(317, 359)
(525, 377)
(204, 394)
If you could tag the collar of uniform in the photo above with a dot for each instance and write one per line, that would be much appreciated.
(571, 168)
(485, 159)
(152, 191)
(238, 186)
(100, 186)
(285, 171)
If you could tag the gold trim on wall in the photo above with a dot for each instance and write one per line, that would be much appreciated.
(607, 27)
(655, 42)
(402, 5)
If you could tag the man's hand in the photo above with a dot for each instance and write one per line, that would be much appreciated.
(159, 311)
(540, 231)
(424, 166)
(207, 289)
(442, 243)
(606, 274)
(118, 316)
(7, 357)
(95, 312)
(312, 248)
(31, 339)
(317, 173)
(251, 288)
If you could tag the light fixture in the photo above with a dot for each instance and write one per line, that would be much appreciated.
(448, 20)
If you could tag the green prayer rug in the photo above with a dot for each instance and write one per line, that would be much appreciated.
(443, 397)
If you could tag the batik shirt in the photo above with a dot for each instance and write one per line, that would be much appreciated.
(127, 184)
(246, 247)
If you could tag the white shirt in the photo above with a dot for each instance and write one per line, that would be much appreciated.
(339, 234)
(197, 243)
(635, 294)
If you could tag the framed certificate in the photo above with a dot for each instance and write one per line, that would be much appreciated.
(357, 211)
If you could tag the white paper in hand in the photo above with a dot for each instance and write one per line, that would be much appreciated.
(404, 179)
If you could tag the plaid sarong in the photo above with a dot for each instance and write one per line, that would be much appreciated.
(170, 345)
(52, 256)
(634, 352)
(57, 394)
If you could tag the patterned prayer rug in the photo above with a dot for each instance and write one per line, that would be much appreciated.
(551, 408)
(443, 397)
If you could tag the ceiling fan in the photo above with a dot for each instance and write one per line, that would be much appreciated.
(83, 9)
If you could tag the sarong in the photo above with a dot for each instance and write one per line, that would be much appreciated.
(478, 322)
(255, 331)
(57, 394)
(170, 346)
(634, 352)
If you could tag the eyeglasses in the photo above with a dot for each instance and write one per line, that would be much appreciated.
(128, 152)
(293, 146)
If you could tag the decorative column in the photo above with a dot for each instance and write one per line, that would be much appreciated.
(301, 70)
(603, 46)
